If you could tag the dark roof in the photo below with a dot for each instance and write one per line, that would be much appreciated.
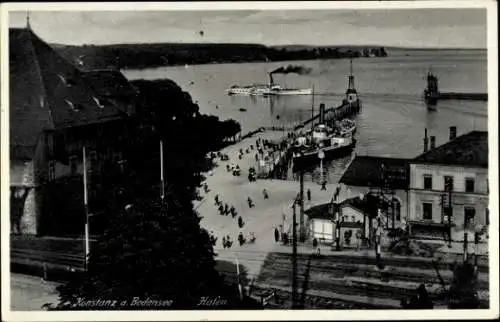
(322, 211)
(367, 171)
(470, 149)
(319, 212)
(47, 92)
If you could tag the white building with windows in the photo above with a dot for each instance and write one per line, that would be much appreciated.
(450, 183)
(421, 190)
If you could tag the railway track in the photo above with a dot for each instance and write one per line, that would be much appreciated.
(281, 269)
(280, 298)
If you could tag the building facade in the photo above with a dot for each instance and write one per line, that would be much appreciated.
(56, 109)
(450, 183)
(445, 187)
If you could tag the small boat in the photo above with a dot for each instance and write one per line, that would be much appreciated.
(243, 109)
(331, 142)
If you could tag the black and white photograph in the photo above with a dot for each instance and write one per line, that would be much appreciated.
(278, 158)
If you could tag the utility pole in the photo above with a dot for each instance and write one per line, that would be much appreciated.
(449, 211)
(312, 109)
(294, 257)
(302, 230)
(466, 220)
(162, 196)
(86, 210)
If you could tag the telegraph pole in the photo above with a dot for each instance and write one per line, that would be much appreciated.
(302, 230)
(466, 220)
(86, 209)
(162, 196)
(294, 257)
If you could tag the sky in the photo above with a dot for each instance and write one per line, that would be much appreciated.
(434, 28)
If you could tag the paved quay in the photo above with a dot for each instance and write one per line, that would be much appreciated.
(264, 217)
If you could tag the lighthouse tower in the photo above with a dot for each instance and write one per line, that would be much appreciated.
(351, 93)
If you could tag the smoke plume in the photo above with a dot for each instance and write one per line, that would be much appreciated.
(301, 70)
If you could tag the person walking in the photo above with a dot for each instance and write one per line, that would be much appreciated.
(266, 195)
(323, 186)
(308, 194)
(276, 235)
(358, 239)
(241, 239)
(250, 202)
(316, 246)
(224, 242)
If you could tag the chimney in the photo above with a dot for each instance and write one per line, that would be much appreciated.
(433, 142)
(426, 142)
(321, 113)
(453, 132)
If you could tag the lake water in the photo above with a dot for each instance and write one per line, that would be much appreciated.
(393, 117)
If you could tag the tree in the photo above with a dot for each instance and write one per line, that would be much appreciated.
(153, 250)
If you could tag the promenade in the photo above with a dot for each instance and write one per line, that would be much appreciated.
(264, 217)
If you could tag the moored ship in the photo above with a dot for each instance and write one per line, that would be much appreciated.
(333, 143)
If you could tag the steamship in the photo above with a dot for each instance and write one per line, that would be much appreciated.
(333, 143)
(324, 140)
(267, 90)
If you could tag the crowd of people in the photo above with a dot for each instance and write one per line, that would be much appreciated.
(226, 209)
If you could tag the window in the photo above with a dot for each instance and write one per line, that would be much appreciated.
(469, 214)
(98, 102)
(72, 106)
(469, 184)
(448, 183)
(428, 181)
(73, 165)
(427, 211)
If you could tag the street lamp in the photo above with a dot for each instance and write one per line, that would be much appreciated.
(321, 156)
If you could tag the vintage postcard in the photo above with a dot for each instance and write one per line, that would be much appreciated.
(249, 160)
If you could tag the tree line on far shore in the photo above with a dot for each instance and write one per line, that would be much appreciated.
(156, 55)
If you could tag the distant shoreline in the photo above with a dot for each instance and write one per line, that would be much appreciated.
(139, 56)
(155, 55)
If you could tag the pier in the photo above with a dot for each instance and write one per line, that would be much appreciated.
(432, 94)
(333, 113)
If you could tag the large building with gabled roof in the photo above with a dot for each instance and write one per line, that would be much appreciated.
(57, 108)
(450, 182)
(435, 190)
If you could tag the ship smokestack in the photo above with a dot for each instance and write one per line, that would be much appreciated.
(321, 113)
(453, 132)
(433, 142)
(426, 142)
